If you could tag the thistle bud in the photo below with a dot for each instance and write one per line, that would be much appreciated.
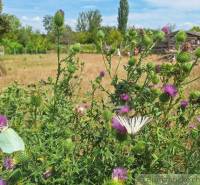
(183, 57)
(147, 41)
(59, 18)
(160, 36)
(197, 53)
(195, 97)
(100, 34)
(132, 61)
(181, 36)
(187, 67)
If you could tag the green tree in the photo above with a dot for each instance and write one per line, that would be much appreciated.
(123, 13)
(48, 23)
(1, 6)
(195, 29)
(82, 22)
(89, 21)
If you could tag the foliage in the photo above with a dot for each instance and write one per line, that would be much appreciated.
(123, 15)
(73, 142)
(195, 29)
(89, 21)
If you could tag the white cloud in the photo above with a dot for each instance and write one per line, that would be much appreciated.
(37, 19)
(177, 4)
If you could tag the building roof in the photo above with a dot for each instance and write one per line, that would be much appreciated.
(187, 32)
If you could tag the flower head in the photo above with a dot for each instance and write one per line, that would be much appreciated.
(81, 109)
(118, 126)
(3, 122)
(124, 97)
(48, 173)
(124, 110)
(119, 174)
(184, 104)
(170, 90)
(102, 74)
(192, 126)
(3, 182)
(198, 119)
(166, 29)
(8, 163)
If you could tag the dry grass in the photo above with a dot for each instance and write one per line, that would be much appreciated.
(28, 69)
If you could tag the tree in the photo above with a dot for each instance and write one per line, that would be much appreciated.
(123, 13)
(195, 29)
(1, 6)
(48, 23)
(89, 21)
(82, 22)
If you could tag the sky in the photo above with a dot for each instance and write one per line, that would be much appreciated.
(143, 13)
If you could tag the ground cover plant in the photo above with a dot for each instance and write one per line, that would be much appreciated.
(146, 125)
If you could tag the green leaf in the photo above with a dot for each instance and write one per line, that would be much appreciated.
(11, 142)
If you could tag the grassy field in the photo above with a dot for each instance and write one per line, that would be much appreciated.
(28, 69)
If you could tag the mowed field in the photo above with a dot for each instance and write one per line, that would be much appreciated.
(29, 69)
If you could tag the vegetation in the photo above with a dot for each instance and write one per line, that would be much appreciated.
(123, 13)
(70, 141)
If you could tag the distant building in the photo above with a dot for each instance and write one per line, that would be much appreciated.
(2, 51)
(193, 39)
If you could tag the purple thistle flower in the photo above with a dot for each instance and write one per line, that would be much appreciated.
(192, 126)
(3, 182)
(166, 29)
(124, 97)
(124, 110)
(198, 119)
(8, 163)
(119, 174)
(118, 126)
(184, 104)
(170, 90)
(102, 74)
(3, 122)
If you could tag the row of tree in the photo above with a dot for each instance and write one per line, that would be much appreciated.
(18, 39)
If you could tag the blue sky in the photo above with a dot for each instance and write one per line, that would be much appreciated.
(143, 13)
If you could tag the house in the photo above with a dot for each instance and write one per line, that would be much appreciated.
(193, 39)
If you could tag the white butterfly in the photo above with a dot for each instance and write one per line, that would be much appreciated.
(133, 125)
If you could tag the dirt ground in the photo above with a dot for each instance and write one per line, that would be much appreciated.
(28, 69)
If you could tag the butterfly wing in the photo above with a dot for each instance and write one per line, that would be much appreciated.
(137, 123)
(124, 122)
(10, 141)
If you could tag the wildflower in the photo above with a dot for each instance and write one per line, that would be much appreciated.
(118, 126)
(124, 97)
(124, 109)
(119, 174)
(198, 119)
(102, 74)
(170, 90)
(3, 182)
(81, 109)
(8, 163)
(3, 122)
(48, 173)
(166, 29)
(192, 126)
(184, 104)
